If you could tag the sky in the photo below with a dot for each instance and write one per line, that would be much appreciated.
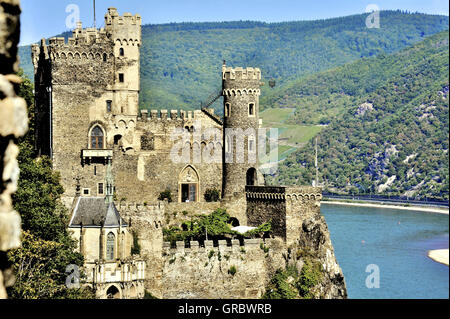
(46, 18)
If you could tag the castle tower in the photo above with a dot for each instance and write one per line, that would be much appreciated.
(241, 90)
(83, 87)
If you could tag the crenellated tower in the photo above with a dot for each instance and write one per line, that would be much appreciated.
(83, 84)
(241, 90)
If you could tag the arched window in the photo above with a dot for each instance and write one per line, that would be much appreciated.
(97, 138)
(110, 246)
(122, 52)
(105, 57)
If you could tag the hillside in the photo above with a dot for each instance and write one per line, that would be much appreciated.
(389, 124)
(180, 63)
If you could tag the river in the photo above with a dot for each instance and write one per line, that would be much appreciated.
(397, 242)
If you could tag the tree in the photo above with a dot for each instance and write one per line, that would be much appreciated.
(47, 247)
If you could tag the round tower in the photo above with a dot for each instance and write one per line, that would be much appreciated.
(241, 90)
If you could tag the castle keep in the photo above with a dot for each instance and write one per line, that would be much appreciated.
(115, 160)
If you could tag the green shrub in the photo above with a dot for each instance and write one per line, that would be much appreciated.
(310, 276)
(167, 194)
(212, 195)
(232, 270)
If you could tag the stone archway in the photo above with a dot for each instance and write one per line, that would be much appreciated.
(113, 292)
(188, 185)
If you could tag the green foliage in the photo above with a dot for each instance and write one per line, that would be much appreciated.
(232, 271)
(289, 284)
(216, 225)
(310, 276)
(281, 285)
(407, 94)
(211, 254)
(212, 195)
(180, 61)
(167, 194)
(47, 247)
(149, 295)
(260, 231)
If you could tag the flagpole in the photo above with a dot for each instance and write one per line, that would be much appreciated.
(95, 20)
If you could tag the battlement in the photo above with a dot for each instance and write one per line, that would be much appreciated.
(140, 207)
(172, 115)
(208, 245)
(112, 17)
(283, 193)
(239, 73)
(124, 28)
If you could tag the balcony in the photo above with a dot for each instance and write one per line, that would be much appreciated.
(96, 155)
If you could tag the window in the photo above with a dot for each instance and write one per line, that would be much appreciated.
(251, 109)
(86, 191)
(108, 106)
(122, 52)
(121, 78)
(101, 190)
(105, 57)
(110, 245)
(97, 138)
(251, 145)
(227, 109)
(95, 170)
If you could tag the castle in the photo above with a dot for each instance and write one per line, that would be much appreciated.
(115, 160)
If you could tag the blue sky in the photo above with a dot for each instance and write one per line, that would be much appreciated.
(45, 18)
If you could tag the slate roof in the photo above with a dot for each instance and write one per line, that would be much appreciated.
(93, 211)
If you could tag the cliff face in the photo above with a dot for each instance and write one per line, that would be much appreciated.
(315, 244)
(236, 270)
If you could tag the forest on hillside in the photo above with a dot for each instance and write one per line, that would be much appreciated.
(181, 62)
(392, 129)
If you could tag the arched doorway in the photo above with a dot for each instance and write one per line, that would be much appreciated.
(234, 222)
(251, 177)
(188, 185)
(113, 293)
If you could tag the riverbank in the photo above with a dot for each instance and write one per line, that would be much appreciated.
(439, 255)
(427, 209)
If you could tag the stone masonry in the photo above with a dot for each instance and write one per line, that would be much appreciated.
(88, 119)
(13, 124)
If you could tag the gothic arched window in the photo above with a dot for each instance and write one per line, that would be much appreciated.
(110, 246)
(97, 138)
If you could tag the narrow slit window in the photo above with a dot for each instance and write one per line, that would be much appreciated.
(121, 78)
(251, 109)
(109, 106)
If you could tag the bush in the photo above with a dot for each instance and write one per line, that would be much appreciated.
(212, 195)
(232, 270)
(167, 194)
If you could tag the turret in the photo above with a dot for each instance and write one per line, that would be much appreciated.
(241, 90)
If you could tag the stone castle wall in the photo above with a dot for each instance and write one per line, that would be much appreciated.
(205, 272)
(13, 124)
